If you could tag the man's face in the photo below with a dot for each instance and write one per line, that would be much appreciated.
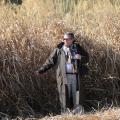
(68, 42)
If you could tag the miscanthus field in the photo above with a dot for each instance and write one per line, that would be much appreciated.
(29, 32)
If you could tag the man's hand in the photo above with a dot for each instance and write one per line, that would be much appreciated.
(78, 56)
(36, 73)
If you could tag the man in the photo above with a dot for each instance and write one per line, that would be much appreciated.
(68, 56)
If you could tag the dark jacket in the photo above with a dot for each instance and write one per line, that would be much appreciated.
(57, 58)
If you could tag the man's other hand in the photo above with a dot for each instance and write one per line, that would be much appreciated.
(78, 56)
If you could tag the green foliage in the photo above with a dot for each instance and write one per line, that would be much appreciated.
(12, 1)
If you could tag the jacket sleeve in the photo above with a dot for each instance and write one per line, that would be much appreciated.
(84, 55)
(50, 62)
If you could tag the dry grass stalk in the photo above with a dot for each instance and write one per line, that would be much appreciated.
(111, 114)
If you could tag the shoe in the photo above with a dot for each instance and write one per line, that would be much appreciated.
(78, 110)
(66, 111)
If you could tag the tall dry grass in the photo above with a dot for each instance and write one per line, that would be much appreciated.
(29, 32)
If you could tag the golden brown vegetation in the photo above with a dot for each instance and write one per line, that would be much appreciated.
(111, 114)
(30, 31)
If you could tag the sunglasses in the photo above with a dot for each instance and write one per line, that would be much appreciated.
(67, 39)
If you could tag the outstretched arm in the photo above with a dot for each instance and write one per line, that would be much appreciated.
(50, 62)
